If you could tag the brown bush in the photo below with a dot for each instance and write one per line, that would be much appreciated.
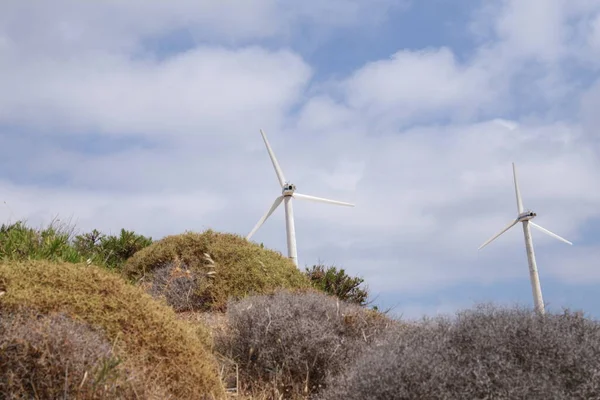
(484, 353)
(294, 341)
(178, 285)
(54, 357)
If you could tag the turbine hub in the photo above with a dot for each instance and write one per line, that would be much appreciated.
(527, 215)
(288, 189)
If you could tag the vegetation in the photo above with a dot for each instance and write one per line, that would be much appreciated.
(48, 356)
(71, 329)
(109, 250)
(292, 342)
(178, 285)
(165, 354)
(222, 266)
(484, 353)
(337, 283)
(58, 242)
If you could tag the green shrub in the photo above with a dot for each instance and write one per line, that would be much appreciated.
(58, 242)
(226, 265)
(485, 353)
(110, 251)
(337, 283)
(20, 242)
(294, 341)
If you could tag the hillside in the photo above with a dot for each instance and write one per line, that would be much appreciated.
(149, 352)
(211, 315)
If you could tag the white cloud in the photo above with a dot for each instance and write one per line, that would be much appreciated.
(533, 28)
(579, 267)
(419, 141)
(67, 26)
(155, 215)
(205, 89)
(418, 85)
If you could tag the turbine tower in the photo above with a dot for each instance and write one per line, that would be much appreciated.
(526, 216)
(288, 191)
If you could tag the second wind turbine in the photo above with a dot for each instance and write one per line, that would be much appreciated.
(288, 191)
(526, 216)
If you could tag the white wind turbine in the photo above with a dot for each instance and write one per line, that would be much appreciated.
(288, 191)
(525, 216)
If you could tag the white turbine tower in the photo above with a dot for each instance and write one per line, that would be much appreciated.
(288, 191)
(525, 216)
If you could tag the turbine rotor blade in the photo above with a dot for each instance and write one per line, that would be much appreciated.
(547, 232)
(513, 223)
(276, 204)
(321, 200)
(517, 192)
(278, 170)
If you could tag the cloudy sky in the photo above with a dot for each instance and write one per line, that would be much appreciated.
(145, 115)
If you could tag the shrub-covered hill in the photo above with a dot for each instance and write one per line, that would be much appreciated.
(83, 330)
(484, 353)
(203, 271)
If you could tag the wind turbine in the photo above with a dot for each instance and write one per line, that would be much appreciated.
(288, 191)
(525, 216)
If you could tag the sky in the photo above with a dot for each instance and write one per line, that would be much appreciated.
(145, 115)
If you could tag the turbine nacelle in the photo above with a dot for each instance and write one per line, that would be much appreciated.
(288, 189)
(526, 216)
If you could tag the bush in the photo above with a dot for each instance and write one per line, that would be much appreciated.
(294, 341)
(338, 283)
(58, 242)
(170, 357)
(178, 285)
(110, 251)
(226, 265)
(54, 356)
(19, 242)
(485, 353)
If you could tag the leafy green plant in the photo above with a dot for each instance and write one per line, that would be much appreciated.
(53, 243)
(336, 282)
(58, 242)
(109, 250)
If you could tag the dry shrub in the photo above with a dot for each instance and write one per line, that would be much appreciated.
(54, 357)
(227, 266)
(292, 342)
(178, 285)
(171, 358)
(485, 353)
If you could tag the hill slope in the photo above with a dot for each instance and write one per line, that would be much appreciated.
(160, 354)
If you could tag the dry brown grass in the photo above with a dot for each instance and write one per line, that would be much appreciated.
(169, 356)
(223, 266)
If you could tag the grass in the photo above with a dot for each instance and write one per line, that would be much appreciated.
(168, 354)
(229, 266)
(59, 242)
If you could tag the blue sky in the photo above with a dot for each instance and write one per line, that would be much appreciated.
(136, 115)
